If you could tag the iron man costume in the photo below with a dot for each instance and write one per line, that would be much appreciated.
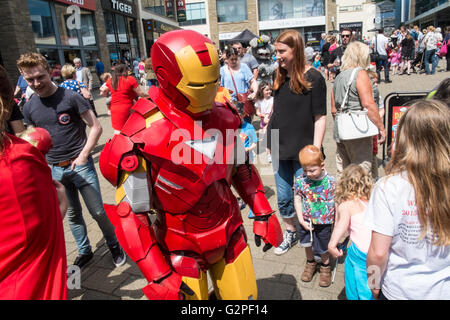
(177, 157)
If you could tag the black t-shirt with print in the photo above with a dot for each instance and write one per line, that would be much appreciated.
(60, 115)
(293, 115)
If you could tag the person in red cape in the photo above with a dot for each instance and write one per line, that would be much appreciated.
(33, 262)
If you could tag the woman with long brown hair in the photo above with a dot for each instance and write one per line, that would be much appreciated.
(409, 210)
(124, 90)
(6, 103)
(298, 119)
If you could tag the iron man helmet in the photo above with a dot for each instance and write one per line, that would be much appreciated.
(187, 65)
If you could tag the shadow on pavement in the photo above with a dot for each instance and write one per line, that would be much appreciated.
(273, 289)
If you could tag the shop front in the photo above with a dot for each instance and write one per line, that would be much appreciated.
(121, 30)
(356, 27)
(305, 16)
(64, 30)
(310, 28)
(153, 29)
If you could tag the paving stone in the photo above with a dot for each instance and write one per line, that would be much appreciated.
(131, 289)
(105, 280)
(268, 269)
(97, 295)
(271, 289)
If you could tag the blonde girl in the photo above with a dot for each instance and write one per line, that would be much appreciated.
(352, 195)
(409, 210)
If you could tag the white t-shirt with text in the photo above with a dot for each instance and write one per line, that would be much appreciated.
(416, 269)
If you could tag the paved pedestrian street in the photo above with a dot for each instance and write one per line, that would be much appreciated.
(278, 277)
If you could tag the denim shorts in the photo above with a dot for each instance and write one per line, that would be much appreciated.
(321, 236)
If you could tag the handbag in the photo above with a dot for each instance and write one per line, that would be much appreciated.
(245, 105)
(353, 124)
(443, 50)
(375, 56)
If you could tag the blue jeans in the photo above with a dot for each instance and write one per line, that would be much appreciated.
(383, 63)
(284, 181)
(431, 57)
(84, 179)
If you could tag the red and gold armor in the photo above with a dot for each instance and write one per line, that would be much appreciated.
(177, 157)
(38, 137)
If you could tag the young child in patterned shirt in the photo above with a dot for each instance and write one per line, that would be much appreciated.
(314, 203)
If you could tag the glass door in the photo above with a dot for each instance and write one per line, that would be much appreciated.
(70, 54)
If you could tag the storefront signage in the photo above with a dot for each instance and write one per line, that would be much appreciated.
(163, 27)
(85, 4)
(74, 20)
(291, 23)
(181, 10)
(170, 11)
(228, 35)
(351, 25)
(120, 6)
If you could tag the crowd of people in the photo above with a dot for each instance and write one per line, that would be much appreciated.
(399, 227)
(409, 49)
(406, 50)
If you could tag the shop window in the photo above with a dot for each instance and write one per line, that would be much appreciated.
(290, 9)
(158, 6)
(91, 59)
(55, 65)
(109, 24)
(231, 10)
(121, 28)
(133, 30)
(42, 22)
(68, 37)
(195, 14)
(312, 35)
(87, 28)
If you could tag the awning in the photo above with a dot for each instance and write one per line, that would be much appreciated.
(244, 36)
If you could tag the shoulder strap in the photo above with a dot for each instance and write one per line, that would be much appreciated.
(232, 78)
(344, 101)
(363, 203)
(376, 49)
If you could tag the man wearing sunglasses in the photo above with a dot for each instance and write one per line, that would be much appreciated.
(346, 37)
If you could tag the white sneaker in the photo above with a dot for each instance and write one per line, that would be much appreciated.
(289, 240)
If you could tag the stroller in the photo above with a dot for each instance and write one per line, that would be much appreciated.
(418, 62)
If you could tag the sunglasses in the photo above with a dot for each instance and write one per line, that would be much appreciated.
(345, 36)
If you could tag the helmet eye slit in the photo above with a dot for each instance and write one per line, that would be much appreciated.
(196, 85)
